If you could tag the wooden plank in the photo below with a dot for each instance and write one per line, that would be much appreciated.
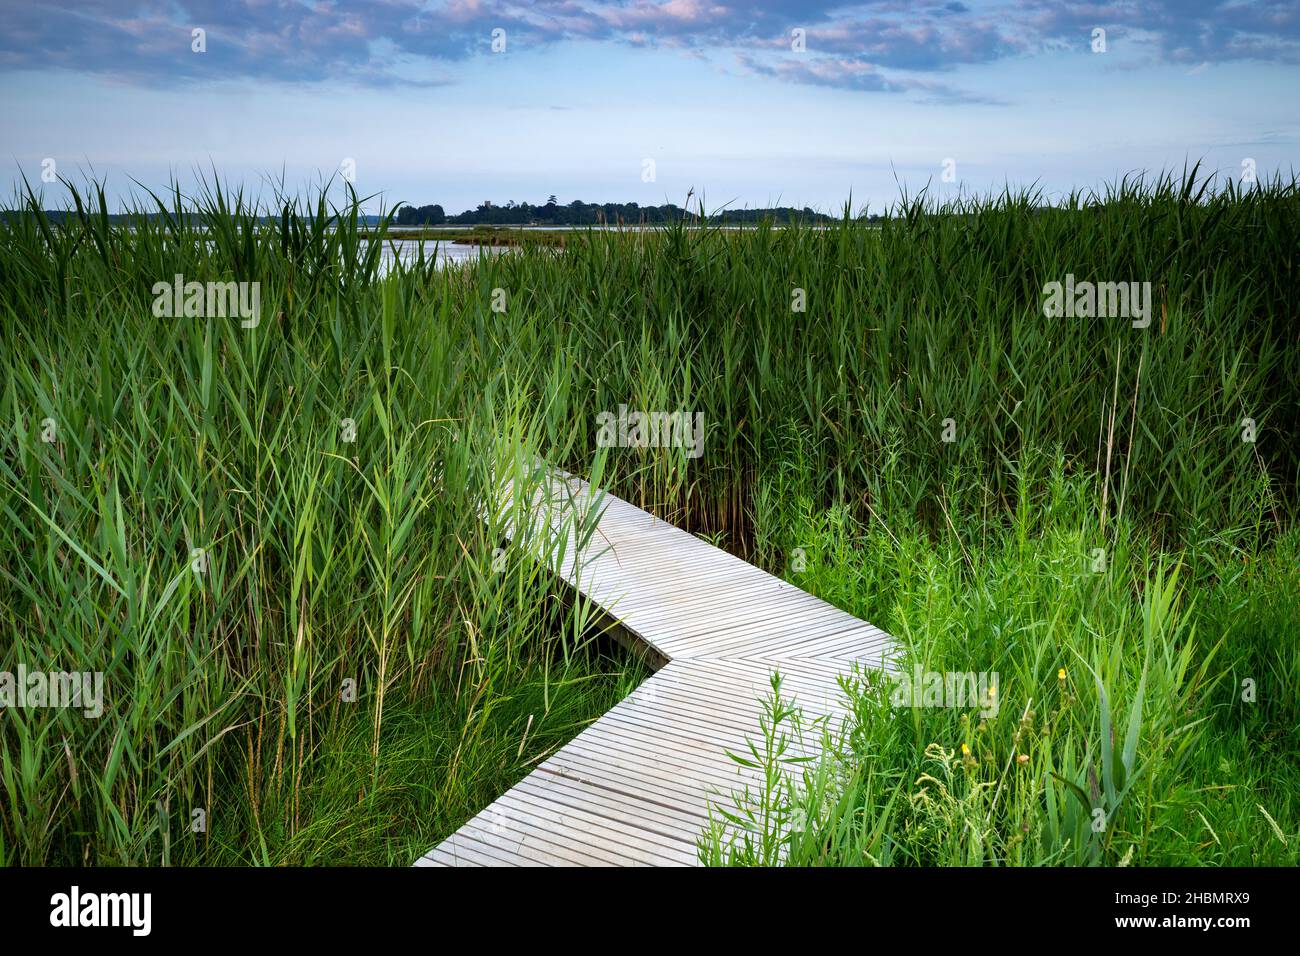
(635, 787)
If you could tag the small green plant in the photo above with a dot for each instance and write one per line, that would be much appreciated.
(763, 819)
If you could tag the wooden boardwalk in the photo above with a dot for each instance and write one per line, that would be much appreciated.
(634, 788)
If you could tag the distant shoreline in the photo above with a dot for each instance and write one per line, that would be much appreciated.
(578, 213)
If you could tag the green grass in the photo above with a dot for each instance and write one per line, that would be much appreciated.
(328, 564)
(331, 560)
(1188, 772)
(438, 761)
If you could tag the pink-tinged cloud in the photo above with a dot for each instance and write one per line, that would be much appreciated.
(848, 44)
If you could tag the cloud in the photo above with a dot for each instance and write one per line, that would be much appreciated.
(1189, 32)
(847, 74)
(884, 46)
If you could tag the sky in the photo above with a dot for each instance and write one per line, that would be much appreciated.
(748, 104)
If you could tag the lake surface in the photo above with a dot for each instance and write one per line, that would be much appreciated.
(448, 253)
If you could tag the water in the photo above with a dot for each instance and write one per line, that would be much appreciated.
(448, 253)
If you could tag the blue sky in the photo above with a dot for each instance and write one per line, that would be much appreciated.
(584, 93)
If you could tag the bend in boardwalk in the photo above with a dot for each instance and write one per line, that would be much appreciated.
(634, 788)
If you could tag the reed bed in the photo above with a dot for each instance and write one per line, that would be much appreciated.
(267, 536)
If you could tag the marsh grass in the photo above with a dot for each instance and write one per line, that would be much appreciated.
(1124, 733)
(351, 654)
(328, 560)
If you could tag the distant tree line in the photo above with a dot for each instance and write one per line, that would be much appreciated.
(579, 213)
(576, 213)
